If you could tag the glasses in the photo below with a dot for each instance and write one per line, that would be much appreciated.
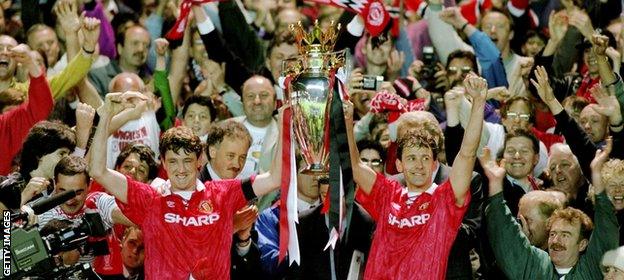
(464, 70)
(515, 116)
(371, 162)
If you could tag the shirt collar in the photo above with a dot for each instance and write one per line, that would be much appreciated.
(165, 189)
(519, 183)
(303, 205)
(212, 172)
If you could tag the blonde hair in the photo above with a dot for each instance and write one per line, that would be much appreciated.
(612, 170)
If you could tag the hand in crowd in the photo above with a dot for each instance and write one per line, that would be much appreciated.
(600, 43)
(356, 79)
(476, 87)
(495, 172)
(441, 78)
(608, 105)
(453, 16)
(244, 220)
(347, 108)
(602, 155)
(395, 62)
(23, 55)
(162, 46)
(117, 102)
(557, 25)
(453, 97)
(500, 94)
(67, 13)
(84, 121)
(544, 90)
(579, 19)
(35, 186)
(415, 68)
(91, 32)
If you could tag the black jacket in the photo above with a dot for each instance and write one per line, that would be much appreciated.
(313, 236)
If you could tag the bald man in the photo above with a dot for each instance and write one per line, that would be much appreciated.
(259, 102)
(138, 125)
(567, 177)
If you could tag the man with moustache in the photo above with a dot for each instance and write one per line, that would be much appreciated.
(572, 253)
(132, 45)
(226, 148)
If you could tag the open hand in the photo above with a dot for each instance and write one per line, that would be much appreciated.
(602, 155)
(495, 172)
(91, 32)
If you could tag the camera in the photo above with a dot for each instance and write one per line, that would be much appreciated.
(372, 82)
(33, 255)
(427, 73)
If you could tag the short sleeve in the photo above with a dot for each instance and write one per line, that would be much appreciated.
(456, 213)
(233, 192)
(140, 199)
(379, 197)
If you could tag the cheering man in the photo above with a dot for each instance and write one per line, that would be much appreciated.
(420, 222)
(187, 227)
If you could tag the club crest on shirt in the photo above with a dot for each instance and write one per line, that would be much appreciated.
(170, 204)
(205, 207)
(423, 206)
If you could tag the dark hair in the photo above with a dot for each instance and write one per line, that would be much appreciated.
(44, 138)
(177, 138)
(70, 166)
(500, 11)
(578, 103)
(122, 29)
(201, 101)
(53, 226)
(526, 134)
(505, 107)
(418, 139)
(284, 37)
(462, 54)
(145, 154)
(226, 128)
(372, 145)
(534, 33)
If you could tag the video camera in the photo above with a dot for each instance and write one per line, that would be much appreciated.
(33, 255)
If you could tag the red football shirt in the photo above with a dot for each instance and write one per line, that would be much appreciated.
(180, 234)
(411, 241)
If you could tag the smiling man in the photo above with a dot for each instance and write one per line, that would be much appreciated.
(574, 251)
(185, 209)
(425, 217)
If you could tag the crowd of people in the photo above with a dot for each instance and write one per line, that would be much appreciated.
(490, 145)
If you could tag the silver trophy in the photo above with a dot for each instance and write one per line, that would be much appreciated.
(310, 92)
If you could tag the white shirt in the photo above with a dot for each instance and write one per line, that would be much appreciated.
(143, 130)
(253, 155)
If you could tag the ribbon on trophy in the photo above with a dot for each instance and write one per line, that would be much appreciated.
(177, 31)
(288, 240)
(341, 185)
(375, 14)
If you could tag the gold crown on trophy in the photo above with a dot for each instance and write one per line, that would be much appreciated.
(317, 40)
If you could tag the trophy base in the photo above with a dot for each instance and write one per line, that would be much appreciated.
(315, 169)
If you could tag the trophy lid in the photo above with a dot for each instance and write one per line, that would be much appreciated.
(317, 40)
